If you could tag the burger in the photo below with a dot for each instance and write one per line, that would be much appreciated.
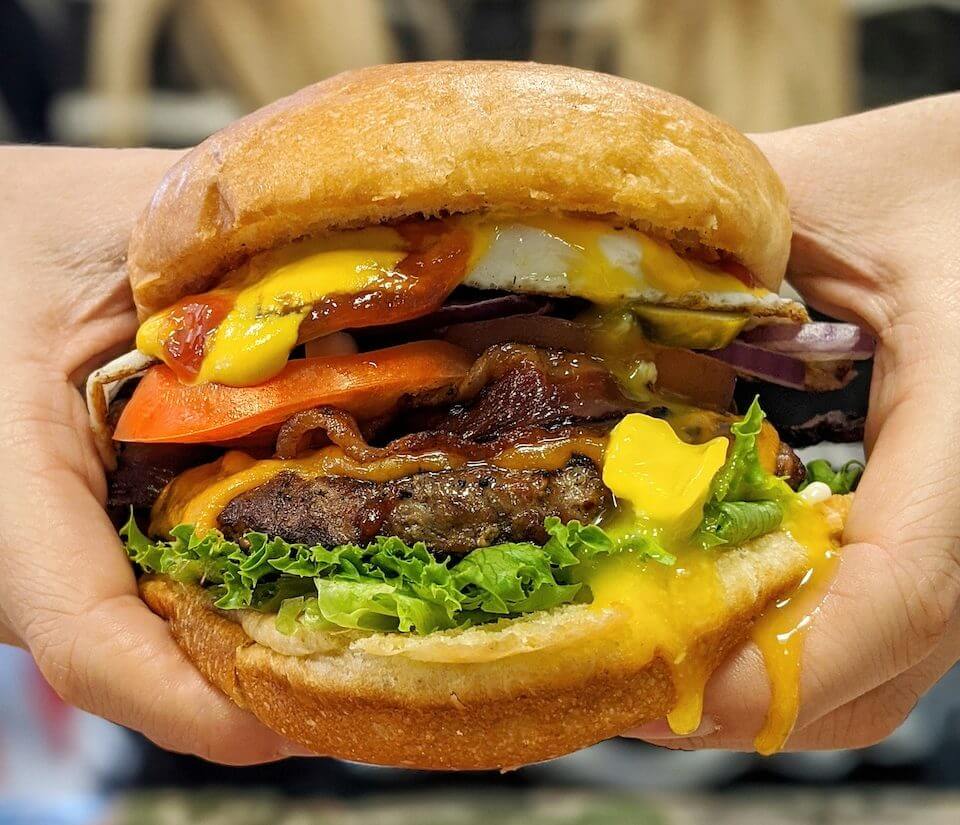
(428, 451)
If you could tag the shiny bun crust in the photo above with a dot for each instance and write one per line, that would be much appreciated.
(386, 142)
(394, 710)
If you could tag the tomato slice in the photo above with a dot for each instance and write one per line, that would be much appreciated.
(164, 410)
(430, 273)
(434, 266)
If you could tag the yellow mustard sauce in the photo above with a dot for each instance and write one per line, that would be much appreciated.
(780, 631)
(271, 294)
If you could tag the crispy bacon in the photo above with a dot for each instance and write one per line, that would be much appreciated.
(513, 386)
(511, 392)
(340, 428)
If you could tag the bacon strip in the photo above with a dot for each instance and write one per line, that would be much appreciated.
(509, 392)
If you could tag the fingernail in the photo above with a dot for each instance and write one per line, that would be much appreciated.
(288, 749)
(661, 730)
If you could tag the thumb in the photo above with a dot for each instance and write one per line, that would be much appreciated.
(68, 591)
(873, 200)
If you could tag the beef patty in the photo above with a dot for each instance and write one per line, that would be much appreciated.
(452, 512)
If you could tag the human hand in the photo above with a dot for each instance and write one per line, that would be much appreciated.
(67, 591)
(875, 200)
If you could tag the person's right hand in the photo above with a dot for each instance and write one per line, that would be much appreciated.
(67, 592)
(876, 209)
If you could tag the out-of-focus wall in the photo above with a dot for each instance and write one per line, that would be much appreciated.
(257, 51)
(169, 72)
(761, 64)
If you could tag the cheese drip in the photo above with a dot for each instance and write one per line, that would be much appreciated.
(779, 633)
(673, 610)
(666, 483)
(264, 302)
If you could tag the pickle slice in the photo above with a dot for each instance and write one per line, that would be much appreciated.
(689, 328)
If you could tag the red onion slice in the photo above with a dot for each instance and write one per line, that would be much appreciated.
(475, 307)
(757, 362)
(460, 310)
(816, 341)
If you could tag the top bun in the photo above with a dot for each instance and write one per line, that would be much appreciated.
(386, 142)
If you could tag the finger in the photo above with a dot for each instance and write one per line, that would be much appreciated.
(102, 650)
(78, 288)
(897, 587)
(871, 718)
(70, 594)
(865, 241)
(853, 644)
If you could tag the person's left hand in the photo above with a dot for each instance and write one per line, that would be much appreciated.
(67, 592)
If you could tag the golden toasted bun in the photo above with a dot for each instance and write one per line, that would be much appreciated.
(481, 698)
(385, 142)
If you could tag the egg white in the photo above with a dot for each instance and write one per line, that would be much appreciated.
(529, 259)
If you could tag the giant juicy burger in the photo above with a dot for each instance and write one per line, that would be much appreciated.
(428, 451)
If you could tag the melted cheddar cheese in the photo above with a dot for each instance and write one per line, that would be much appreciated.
(658, 479)
(779, 632)
(199, 495)
(269, 297)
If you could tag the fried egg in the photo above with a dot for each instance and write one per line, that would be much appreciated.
(607, 266)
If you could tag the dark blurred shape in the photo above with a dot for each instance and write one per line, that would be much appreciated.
(25, 82)
(497, 30)
(908, 53)
(805, 418)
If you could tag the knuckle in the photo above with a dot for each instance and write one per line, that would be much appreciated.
(933, 602)
(869, 721)
(56, 653)
(74, 656)
(929, 586)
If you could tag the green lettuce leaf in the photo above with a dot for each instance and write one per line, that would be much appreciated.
(644, 543)
(734, 522)
(386, 585)
(840, 481)
(742, 477)
(745, 500)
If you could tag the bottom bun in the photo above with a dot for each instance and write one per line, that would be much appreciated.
(563, 681)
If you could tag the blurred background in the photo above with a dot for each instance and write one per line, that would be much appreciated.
(168, 73)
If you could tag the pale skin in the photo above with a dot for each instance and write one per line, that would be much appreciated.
(875, 200)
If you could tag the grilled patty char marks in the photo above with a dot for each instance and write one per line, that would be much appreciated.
(452, 512)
